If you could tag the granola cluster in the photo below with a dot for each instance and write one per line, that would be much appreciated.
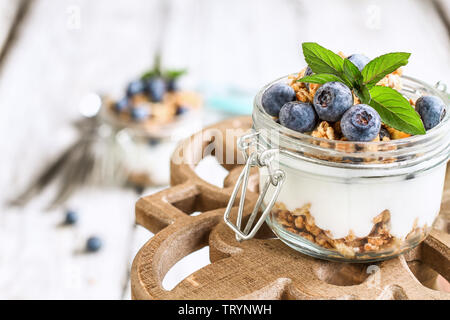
(301, 222)
(304, 92)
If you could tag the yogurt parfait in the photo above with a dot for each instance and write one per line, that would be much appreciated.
(352, 156)
(152, 116)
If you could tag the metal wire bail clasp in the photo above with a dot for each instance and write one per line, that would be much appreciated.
(276, 177)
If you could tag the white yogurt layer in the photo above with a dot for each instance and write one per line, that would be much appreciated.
(342, 204)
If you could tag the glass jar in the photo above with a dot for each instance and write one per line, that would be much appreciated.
(139, 153)
(342, 200)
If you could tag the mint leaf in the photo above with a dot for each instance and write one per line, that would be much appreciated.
(353, 74)
(395, 110)
(174, 74)
(322, 60)
(363, 94)
(149, 74)
(321, 78)
(355, 77)
(381, 66)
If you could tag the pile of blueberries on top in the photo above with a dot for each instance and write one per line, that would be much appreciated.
(333, 102)
(154, 88)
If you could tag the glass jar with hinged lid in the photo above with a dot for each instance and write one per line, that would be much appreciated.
(345, 200)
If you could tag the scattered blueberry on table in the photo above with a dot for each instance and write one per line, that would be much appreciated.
(93, 244)
(71, 217)
(154, 141)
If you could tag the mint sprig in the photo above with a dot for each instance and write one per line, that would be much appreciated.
(157, 71)
(379, 67)
(356, 79)
(321, 78)
(322, 60)
(394, 109)
(174, 74)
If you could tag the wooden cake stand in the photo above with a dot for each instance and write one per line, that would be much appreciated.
(264, 267)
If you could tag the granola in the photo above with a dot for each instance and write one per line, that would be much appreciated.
(301, 222)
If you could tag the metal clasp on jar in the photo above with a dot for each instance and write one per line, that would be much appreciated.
(262, 158)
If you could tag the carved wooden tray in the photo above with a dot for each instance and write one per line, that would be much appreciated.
(264, 267)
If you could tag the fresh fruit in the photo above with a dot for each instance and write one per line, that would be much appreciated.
(360, 123)
(156, 88)
(276, 97)
(122, 104)
(431, 109)
(359, 60)
(139, 113)
(172, 84)
(332, 100)
(298, 116)
(181, 110)
(71, 217)
(384, 133)
(154, 141)
(93, 244)
(308, 72)
(135, 87)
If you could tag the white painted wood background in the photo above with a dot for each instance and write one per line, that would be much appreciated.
(57, 56)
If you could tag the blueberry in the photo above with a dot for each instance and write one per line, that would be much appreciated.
(135, 87)
(431, 109)
(360, 123)
(93, 244)
(172, 84)
(181, 110)
(122, 104)
(156, 88)
(359, 60)
(140, 113)
(277, 96)
(332, 100)
(139, 189)
(352, 159)
(71, 217)
(154, 141)
(384, 133)
(308, 72)
(298, 116)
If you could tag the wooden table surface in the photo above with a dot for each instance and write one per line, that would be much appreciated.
(52, 53)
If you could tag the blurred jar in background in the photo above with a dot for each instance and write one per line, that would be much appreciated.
(143, 127)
